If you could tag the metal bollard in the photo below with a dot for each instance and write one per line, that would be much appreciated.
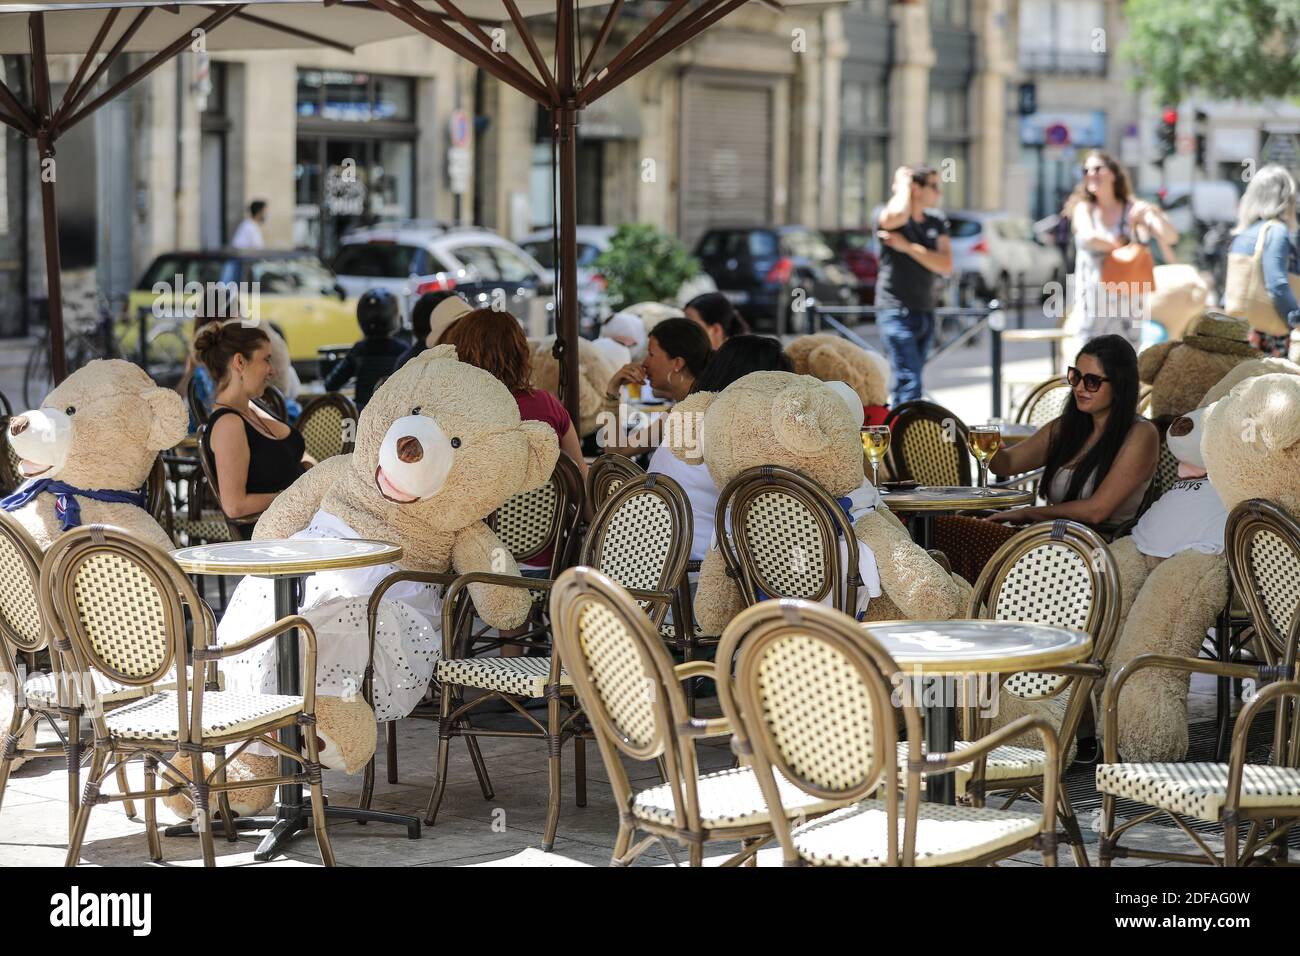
(997, 322)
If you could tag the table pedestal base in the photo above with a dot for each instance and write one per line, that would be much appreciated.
(941, 737)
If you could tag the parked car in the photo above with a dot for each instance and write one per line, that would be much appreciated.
(292, 290)
(592, 241)
(859, 252)
(412, 257)
(760, 268)
(995, 254)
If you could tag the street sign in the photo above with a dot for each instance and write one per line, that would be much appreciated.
(458, 128)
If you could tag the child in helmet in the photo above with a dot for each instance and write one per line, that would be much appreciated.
(376, 355)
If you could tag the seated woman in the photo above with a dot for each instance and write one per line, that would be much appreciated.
(677, 352)
(1098, 458)
(737, 358)
(716, 315)
(256, 455)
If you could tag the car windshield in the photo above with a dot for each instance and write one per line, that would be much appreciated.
(963, 228)
(494, 263)
(543, 251)
(380, 260)
(302, 276)
(203, 269)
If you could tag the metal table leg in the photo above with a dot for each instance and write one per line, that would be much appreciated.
(941, 737)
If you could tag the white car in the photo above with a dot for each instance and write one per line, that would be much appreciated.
(410, 258)
(995, 254)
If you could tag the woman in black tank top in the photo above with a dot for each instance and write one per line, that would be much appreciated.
(257, 461)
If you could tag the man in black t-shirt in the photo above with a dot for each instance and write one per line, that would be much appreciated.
(915, 250)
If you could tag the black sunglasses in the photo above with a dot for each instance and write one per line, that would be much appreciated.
(1090, 381)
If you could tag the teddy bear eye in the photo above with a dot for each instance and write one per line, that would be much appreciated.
(455, 443)
(416, 409)
(70, 410)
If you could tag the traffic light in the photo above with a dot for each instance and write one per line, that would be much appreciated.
(1165, 134)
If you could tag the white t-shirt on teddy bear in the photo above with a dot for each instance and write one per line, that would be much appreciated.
(1188, 517)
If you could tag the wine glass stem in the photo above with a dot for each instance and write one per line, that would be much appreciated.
(875, 473)
(984, 476)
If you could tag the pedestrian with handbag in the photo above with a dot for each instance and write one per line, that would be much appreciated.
(1261, 285)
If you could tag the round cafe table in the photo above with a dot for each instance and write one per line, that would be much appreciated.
(926, 501)
(287, 562)
(947, 650)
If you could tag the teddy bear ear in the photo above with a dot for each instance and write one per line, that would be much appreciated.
(802, 418)
(543, 450)
(683, 430)
(1269, 410)
(170, 420)
(830, 365)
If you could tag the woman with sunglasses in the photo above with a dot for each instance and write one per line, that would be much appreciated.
(1104, 216)
(1098, 458)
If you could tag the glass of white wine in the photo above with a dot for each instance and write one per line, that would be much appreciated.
(875, 443)
(984, 442)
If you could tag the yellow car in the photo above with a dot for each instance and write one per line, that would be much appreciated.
(293, 290)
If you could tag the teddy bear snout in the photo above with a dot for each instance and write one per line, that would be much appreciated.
(18, 425)
(1181, 426)
(409, 449)
(41, 437)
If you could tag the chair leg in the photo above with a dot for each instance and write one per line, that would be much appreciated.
(580, 770)
(151, 811)
(1223, 685)
(621, 843)
(390, 749)
(15, 732)
(72, 751)
(695, 854)
(223, 803)
(368, 784)
(553, 745)
(480, 765)
(202, 811)
(1230, 837)
(1107, 825)
(124, 787)
(318, 822)
(97, 763)
(1071, 824)
(441, 760)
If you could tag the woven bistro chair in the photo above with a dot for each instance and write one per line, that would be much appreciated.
(811, 706)
(124, 606)
(606, 475)
(641, 539)
(1263, 550)
(198, 411)
(1059, 573)
(328, 424)
(10, 474)
(528, 525)
(1044, 403)
(273, 401)
(631, 691)
(928, 445)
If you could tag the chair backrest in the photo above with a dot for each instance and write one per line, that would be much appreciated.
(811, 700)
(273, 401)
(22, 630)
(606, 475)
(623, 676)
(198, 411)
(1263, 548)
(328, 424)
(1058, 573)
(1045, 403)
(928, 444)
(208, 463)
(641, 538)
(782, 538)
(10, 475)
(545, 517)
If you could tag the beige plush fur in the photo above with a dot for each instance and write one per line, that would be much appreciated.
(245, 802)
(496, 457)
(1168, 604)
(594, 373)
(1252, 442)
(1179, 375)
(831, 358)
(116, 420)
(778, 418)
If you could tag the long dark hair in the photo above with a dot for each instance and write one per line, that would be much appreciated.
(1119, 364)
(738, 357)
(682, 338)
(716, 309)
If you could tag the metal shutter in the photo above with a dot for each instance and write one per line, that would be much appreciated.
(726, 157)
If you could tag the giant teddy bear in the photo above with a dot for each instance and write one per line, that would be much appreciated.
(779, 418)
(832, 358)
(594, 373)
(1180, 372)
(1173, 574)
(439, 447)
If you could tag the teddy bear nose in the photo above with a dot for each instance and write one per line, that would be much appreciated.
(409, 449)
(18, 425)
(1181, 426)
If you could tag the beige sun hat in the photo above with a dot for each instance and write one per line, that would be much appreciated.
(1218, 332)
(444, 315)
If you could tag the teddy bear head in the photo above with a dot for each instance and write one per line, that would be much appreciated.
(773, 418)
(1251, 444)
(441, 441)
(1185, 432)
(594, 373)
(835, 359)
(1179, 373)
(101, 428)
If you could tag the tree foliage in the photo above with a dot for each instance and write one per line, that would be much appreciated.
(643, 264)
(1224, 49)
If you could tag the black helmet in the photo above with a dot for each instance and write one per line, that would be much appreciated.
(377, 313)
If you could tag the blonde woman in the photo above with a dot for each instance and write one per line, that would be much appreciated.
(1270, 203)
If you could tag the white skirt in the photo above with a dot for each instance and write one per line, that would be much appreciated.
(408, 637)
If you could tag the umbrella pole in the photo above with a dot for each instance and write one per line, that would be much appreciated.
(49, 211)
(566, 127)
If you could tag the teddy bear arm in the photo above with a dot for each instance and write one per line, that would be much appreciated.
(477, 548)
(1133, 569)
(912, 579)
(717, 595)
(294, 507)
